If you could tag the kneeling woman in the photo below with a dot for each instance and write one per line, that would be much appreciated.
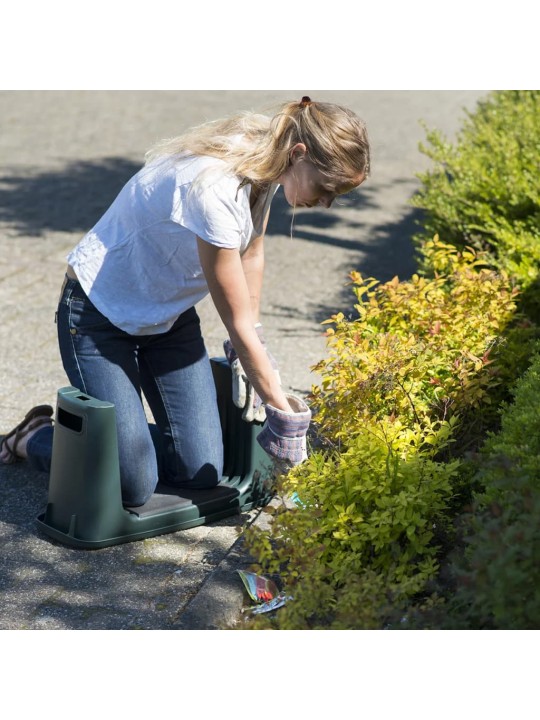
(189, 223)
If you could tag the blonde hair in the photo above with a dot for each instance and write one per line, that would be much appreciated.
(257, 146)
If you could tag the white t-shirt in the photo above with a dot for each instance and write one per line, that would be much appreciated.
(140, 264)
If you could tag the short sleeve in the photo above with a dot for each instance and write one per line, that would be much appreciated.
(209, 208)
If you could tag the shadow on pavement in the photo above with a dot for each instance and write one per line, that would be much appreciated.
(139, 585)
(69, 200)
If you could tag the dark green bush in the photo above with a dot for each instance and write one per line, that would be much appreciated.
(484, 190)
(498, 579)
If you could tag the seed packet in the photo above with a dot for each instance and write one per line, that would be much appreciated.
(264, 591)
(259, 588)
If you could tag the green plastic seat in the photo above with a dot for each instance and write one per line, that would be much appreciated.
(84, 507)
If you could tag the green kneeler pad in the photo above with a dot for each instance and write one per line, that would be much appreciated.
(84, 507)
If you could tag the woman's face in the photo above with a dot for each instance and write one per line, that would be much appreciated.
(304, 185)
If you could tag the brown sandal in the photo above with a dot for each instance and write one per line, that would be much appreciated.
(22, 429)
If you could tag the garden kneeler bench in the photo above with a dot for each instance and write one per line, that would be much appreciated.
(84, 507)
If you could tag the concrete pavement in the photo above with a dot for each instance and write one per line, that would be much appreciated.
(64, 155)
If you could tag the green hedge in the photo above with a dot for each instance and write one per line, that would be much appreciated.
(400, 384)
(495, 575)
(499, 582)
(484, 190)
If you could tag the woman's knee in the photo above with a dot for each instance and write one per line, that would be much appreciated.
(193, 467)
(138, 472)
(136, 491)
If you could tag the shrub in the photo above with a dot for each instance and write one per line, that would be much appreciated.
(484, 190)
(378, 493)
(498, 579)
(421, 351)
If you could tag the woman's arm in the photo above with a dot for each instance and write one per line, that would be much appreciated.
(253, 267)
(234, 285)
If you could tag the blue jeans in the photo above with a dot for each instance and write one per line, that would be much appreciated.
(173, 372)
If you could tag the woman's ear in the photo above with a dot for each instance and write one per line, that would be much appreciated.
(297, 152)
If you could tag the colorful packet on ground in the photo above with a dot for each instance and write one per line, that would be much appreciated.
(264, 591)
(259, 588)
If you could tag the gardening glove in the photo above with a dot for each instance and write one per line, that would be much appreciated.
(244, 395)
(284, 435)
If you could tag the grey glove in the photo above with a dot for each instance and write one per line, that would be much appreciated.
(243, 392)
(284, 435)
